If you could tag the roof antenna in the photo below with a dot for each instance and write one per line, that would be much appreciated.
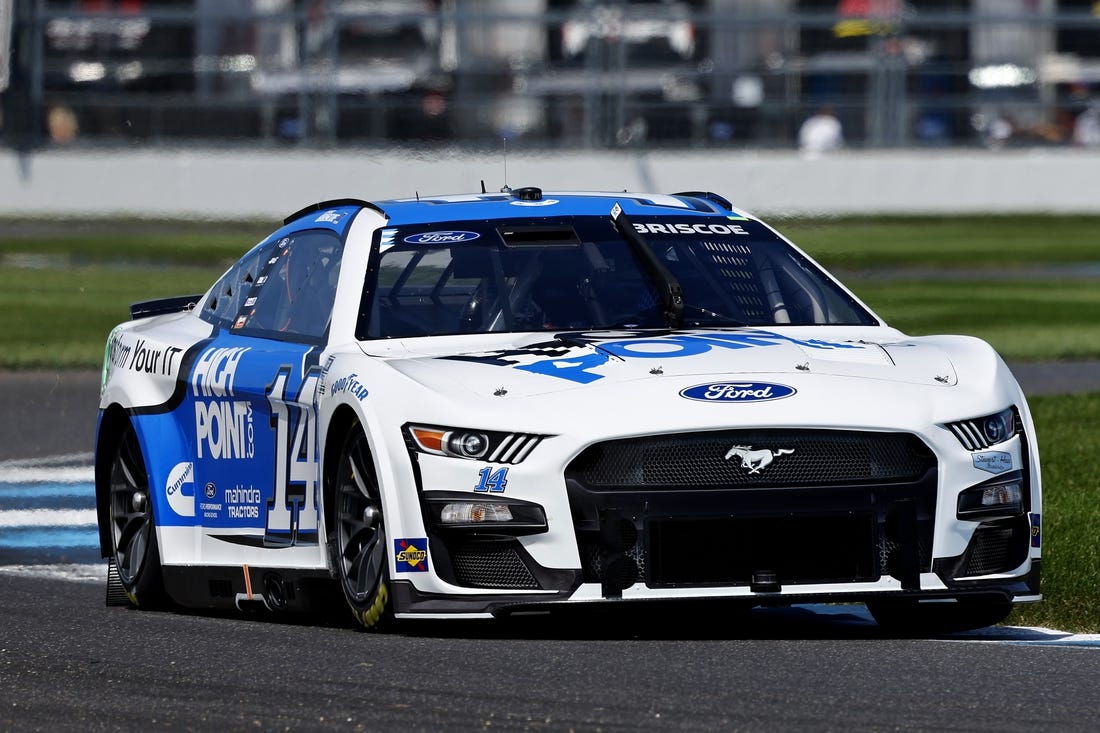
(417, 195)
(506, 188)
(483, 186)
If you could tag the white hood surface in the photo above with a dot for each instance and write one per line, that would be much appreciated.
(533, 364)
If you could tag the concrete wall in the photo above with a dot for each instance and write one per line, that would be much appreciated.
(232, 184)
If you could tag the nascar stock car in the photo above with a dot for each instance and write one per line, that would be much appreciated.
(465, 406)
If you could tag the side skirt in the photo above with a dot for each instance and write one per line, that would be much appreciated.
(244, 588)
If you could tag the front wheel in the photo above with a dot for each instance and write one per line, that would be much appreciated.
(909, 617)
(133, 531)
(357, 542)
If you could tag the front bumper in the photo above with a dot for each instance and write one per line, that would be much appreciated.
(866, 532)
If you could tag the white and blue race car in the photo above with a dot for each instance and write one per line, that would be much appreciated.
(466, 406)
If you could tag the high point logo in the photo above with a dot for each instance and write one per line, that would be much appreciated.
(215, 370)
(583, 361)
(223, 428)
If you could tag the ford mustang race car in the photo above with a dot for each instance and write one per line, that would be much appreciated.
(467, 406)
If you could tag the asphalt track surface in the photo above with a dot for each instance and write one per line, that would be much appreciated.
(69, 662)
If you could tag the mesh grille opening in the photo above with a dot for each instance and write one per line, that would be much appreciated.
(770, 458)
(995, 549)
(487, 566)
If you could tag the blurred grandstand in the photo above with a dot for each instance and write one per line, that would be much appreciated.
(590, 74)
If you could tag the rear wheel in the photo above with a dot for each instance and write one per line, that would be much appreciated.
(911, 618)
(133, 530)
(357, 541)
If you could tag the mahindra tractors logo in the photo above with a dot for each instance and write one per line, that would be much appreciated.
(756, 460)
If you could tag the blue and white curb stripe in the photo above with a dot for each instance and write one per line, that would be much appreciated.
(47, 513)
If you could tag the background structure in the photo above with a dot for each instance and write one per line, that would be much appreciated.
(139, 106)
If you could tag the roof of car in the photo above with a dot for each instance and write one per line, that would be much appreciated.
(533, 202)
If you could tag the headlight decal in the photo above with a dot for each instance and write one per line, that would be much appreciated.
(982, 432)
(471, 444)
(514, 448)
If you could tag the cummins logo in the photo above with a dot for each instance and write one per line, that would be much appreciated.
(180, 489)
(737, 392)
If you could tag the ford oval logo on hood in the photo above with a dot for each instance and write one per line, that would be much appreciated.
(738, 392)
(442, 237)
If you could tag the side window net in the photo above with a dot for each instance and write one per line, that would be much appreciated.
(295, 287)
(228, 295)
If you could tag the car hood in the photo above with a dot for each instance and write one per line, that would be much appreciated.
(534, 364)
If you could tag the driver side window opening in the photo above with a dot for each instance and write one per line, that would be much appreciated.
(284, 289)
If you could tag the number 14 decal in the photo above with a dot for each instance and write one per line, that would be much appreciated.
(292, 511)
(490, 480)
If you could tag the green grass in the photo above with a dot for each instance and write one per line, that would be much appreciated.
(963, 241)
(1069, 445)
(158, 243)
(1030, 320)
(61, 318)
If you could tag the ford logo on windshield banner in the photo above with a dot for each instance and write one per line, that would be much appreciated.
(738, 392)
(442, 237)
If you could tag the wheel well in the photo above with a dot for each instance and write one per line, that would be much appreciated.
(344, 420)
(111, 427)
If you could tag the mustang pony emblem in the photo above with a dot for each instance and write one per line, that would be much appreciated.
(756, 460)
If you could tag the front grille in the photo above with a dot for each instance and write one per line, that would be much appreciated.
(997, 547)
(802, 506)
(990, 547)
(798, 550)
(482, 565)
(752, 458)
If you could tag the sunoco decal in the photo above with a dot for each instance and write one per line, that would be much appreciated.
(411, 555)
(737, 392)
(442, 237)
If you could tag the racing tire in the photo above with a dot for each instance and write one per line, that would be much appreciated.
(357, 541)
(908, 617)
(134, 547)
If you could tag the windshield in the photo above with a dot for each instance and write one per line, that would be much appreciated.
(579, 273)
